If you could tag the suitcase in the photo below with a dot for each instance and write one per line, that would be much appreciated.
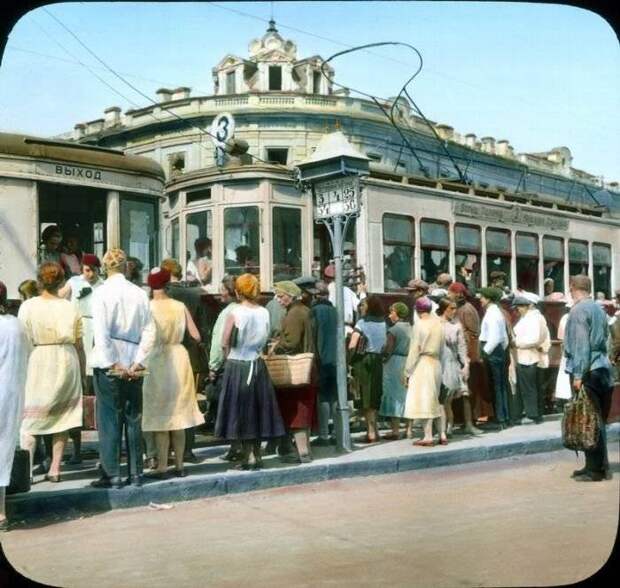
(20, 473)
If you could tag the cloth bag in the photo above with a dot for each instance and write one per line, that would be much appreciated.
(288, 371)
(581, 424)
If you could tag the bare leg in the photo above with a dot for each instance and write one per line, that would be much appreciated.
(2, 506)
(162, 441)
(442, 423)
(396, 428)
(409, 428)
(469, 421)
(28, 443)
(301, 441)
(371, 424)
(449, 416)
(59, 440)
(428, 430)
(256, 447)
(178, 445)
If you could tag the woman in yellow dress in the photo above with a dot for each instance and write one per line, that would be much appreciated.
(423, 368)
(169, 404)
(53, 402)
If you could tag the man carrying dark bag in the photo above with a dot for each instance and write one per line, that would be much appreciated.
(587, 362)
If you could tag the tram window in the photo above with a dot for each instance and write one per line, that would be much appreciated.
(498, 254)
(241, 240)
(435, 243)
(527, 261)
(468, 247)
(398, 247)
(198, 231)
(139, 230)
(286, 243)
(578, 257)
(175, 248)
(553, 268)
(601, 258)
(323, 247)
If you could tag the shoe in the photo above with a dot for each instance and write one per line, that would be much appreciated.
(580, 472)
(270, 448)
(52, 478)
(590, 477)
(107, 483)
(422, 443)
(290, 458)
(134, 480)
(190, 458)
(443, 441)
(305, 458)
(367, 439)
(157, 475)
(150, 463)
(391, 437)
(180, 473)
(527, 421)
(473, 430)
(233, 455)
(320, 442)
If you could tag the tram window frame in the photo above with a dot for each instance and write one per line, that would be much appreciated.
(468, 250)
(152, 231)
(205, 230)
(504, 255)
(393, 243)
(279, 236)
(432, 247)
(527, 259)
(573, 261)
(556, 271)
(597, 266)
(238, 269)
(175, 238)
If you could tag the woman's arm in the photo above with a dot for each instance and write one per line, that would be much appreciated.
(226, 333)
(65, 291)
(192, 329)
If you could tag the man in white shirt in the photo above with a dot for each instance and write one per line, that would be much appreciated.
(351, 301)
(493, 344)
(124, 334)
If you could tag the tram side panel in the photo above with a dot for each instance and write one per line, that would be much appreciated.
(18, 232)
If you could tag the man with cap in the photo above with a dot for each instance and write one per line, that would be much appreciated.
(532, 343)
(498, 280)
(124, 335)
(351, 300)
(587, 363)
(494, 343)
(419, 288)
(79, 289)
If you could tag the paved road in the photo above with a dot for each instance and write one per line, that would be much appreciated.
(513, 522)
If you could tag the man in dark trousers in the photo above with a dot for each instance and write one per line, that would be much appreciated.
(587, 362)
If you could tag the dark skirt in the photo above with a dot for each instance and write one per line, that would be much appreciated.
(369, 372)
(328, 383)
(247, 412)
(298, 406)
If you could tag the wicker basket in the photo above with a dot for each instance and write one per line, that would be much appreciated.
(287, 371)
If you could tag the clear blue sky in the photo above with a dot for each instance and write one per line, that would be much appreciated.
(540, 76)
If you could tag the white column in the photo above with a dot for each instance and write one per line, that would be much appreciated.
(513, 260)
(113, 227)
(483, 258)
(541, 267)
(566, 267)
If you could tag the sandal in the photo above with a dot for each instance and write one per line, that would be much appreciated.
(443, 441)
(55, 478)
(422, 443)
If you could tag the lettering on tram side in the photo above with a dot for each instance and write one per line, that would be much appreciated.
(78, 172)
(515, 215)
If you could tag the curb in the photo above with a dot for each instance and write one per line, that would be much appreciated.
(82, 501)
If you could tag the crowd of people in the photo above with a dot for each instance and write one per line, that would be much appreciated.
(144, 353)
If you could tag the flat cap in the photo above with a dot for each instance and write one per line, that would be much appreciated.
(417, 285)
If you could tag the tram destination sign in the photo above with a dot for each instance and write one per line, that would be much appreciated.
(513, 215)
(336, 197)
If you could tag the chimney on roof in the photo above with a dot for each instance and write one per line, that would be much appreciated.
(112, 116)
(504, 149)
(164, 94)
(470, 140)
(446, 132)
(79, 131)
(488, 145)
(180, 93)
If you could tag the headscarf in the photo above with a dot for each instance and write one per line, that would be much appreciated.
(492, 294)
(458, 288)
(91, 260)
(400, 308)
(158, 278)
(423, 304)
(287, 287)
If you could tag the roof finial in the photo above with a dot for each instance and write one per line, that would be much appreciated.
(272, 26)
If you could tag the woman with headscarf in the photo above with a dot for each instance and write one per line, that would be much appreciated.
(369, 369)
(248, 410)
(14, 350)
(53, 403)
(423, 368)
(395, 353)
(297, 405)
(169, 404)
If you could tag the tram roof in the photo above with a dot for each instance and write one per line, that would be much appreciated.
(40, 148)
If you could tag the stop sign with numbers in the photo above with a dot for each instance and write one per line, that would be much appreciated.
(336, 197)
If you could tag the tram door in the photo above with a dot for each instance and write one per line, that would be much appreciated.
(79, 212)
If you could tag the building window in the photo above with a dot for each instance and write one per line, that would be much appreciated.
(435, 244)
(241, 240)
(198, 195)
(316, 82)
(468, 248)
(553, 264)
(286, 247)
(527, 261)
(98, 239)
(601, 258)
(230, 82)
(275, 77)
(277, 156)
(578, 262)
(398, 247)
(175, 245)
(176, 163)
(139, 231)
(498, 254)
(198, 234)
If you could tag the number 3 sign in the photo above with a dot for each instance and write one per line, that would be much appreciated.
(222, 129)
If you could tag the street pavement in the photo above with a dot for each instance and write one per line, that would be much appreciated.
(519, 521)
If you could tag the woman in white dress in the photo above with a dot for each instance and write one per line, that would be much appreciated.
(169, 403)
(14, 350)
(562, 384)
(53, 403)
(423, 368)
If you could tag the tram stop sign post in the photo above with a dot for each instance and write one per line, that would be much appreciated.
(333, 176)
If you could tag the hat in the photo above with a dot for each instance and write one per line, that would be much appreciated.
(423, 304)
(556, 297)
(114, 258)
(330, 271)
(533, 298)
(158, 278)
(521, 301)
(438, 293)
(287, 287)
(90, 260)
(401, 309)
(417, 285)
(457, 288)
(497, 274)
(248, 286)
(444, 279)
(492, 294)
(321, 289)
(305, 283)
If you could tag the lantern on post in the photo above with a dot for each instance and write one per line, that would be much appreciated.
(332, 175)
